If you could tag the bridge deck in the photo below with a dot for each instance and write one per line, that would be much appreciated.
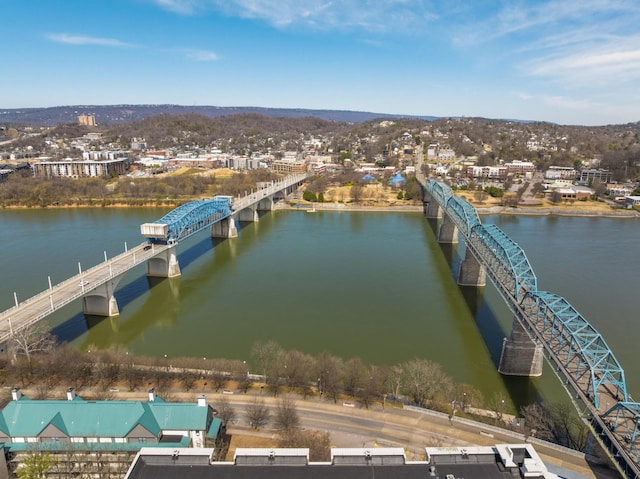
(186, 223)
(579, 353)
(42, 304)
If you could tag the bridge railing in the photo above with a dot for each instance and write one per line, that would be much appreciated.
(192, 217)
(575, 345)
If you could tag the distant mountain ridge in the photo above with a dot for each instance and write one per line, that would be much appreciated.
(110, 114)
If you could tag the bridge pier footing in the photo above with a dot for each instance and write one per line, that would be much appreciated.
(521, 356)
(101, 301)
(431, 207)
(448, 232)
(471, 272)
(225, 228)
(164, 265)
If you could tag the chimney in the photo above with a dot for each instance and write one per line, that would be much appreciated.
(71, 394)
(202, 400)
(16, 394)
(152, 394)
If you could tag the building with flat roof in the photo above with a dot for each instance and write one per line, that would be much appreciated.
(588, 176)
(503, 461)
(87, 120)
(80, 168)
(288, 166)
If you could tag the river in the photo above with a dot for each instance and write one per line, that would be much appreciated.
(368, 284)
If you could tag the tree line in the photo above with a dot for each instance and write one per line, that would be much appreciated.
(35, 359)
(22, 190)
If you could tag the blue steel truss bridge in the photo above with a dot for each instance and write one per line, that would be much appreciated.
(96, 285)
(545, 325)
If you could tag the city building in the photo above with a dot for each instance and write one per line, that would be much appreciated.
(87, 120)
(631, 201)
(588, 176)
(69, 168)
(518, 167)
(503, 461)
(286, 165)
(561, 173)
(57, 425)
(495, 172)
(100, 438)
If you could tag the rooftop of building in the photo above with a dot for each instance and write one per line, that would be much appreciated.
(501, 461)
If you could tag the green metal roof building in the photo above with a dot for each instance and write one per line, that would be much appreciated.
(27, 424)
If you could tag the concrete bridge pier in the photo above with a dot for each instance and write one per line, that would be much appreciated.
(521, 356)
(249, 215)
(471, 272)
(164, 265)
(225, 228)
(265, 204)
(430, 206)
(432, 209)
(448, 232)
(101, 301)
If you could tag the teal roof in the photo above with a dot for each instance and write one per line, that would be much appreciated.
(100, 418)
(179, 415)
(3, 425)
(214, 428)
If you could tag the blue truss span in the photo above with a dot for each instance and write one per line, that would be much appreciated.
(187, 219)
(578, 350)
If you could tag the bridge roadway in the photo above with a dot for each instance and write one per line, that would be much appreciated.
(543, 322)
(29, 312)
(97, 284)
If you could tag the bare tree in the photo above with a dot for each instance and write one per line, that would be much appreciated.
(356, 376)
(297, 370)
(318, 442)
(571, 430)
(226, 412)
(480, 196)
(257, 414)
(32, 339)
(357, 191)
(268, 355)
(539, 422)
(329, 371)
(286, 417)
(426, 382)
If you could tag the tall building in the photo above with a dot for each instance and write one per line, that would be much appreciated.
(87, 120)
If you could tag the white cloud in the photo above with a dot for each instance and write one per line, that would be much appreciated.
(201, 55)
(183, 7)
(86, 40)
(613, 63)
(371, 15)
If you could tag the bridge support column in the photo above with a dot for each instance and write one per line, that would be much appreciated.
(265, 204)
(471, 272)
(225, 228)
(521, 356)
(431, 207)
(448, 232)
(164, 265)
(249, 215)
(101, 301)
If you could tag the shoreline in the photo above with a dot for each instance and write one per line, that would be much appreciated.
(338, 207)
(493, 210)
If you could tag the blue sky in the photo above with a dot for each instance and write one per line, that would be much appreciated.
(565, 61)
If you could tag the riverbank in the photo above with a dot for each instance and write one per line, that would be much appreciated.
(491, 210)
